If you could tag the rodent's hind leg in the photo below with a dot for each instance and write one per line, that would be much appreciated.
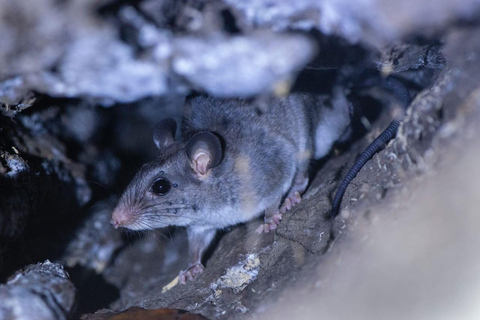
(272, 219)
(274, 214)
(191, 273)
(294, 196)
(199, 238)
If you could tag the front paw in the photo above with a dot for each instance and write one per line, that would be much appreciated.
(270, 224)
(191, 273)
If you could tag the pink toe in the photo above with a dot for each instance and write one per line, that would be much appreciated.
(277, 218)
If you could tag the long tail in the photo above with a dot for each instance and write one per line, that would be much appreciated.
(401, 93)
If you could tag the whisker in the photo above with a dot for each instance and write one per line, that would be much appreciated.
(177, 206)
(157, 232)
(170, 235)
(155, 217)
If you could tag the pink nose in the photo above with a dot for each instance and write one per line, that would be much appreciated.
(120, 218)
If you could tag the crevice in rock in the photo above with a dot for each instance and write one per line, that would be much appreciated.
(81, 92)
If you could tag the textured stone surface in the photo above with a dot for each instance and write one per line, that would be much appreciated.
(62, 161)
(94, 243)
(41, 291)
(374, 22)
(72, 52)
(241, 65)
(296, 253)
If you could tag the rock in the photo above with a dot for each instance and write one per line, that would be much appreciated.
(47, 165)
(142, 314)
(84, 57)
(67, 51)
(238, 277)
(241, 65)
(372, 22)
(41, 291)
(148, 55)
(95, 241)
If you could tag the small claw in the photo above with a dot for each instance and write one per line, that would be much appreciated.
(265, 228)
(289, 203)
(270, 224)
(297, 197)
(190, 274)
(182, 279)
(277, 218)
(260, 229)
(270, 227)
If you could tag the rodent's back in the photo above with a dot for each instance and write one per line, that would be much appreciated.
(290, 119)
(263, 140)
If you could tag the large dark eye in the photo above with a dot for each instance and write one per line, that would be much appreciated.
(161, 186)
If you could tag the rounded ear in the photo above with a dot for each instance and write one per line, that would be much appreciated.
(164, 133)
(204, 150)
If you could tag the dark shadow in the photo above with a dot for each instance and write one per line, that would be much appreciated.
(93, 292)
(229, 22)
(211, 248)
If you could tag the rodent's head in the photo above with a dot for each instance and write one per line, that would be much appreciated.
(164, 191)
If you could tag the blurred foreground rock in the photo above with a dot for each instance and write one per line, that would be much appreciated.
(68, 50)
(41, 291)
(241, 66)
(373, 22)
(93, 243)
(73, 53)
(142, 314)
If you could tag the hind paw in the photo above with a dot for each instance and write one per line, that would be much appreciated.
(270, 224)
(290, 202)
(190, 274)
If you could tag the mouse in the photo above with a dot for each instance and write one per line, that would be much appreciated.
(236, 160)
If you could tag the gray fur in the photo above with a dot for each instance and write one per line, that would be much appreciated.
(266, 145)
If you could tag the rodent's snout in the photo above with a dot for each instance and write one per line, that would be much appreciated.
(120, 218)
(114, 223)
